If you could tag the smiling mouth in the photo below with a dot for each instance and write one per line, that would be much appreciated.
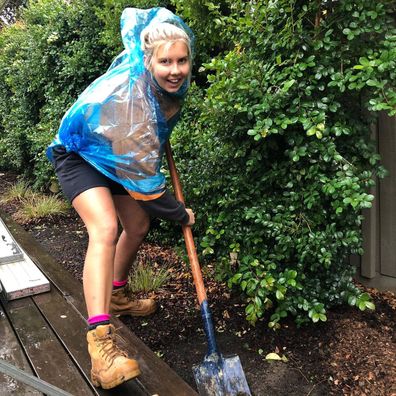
(175, 82)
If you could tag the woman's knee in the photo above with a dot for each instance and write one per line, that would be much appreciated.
(138, 230)
(145, 225)
(96, 208)
(105, 232)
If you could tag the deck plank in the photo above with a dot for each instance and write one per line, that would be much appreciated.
(11, 352)
(50, 361)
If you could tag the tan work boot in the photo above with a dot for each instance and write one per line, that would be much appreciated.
(120, 305)
(110, 365)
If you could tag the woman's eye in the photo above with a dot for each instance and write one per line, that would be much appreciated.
(164, 61)
(183, 61)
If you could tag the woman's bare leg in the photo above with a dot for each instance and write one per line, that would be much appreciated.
(96, 209)
(135, 223)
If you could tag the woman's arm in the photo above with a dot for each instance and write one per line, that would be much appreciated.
(167, 207)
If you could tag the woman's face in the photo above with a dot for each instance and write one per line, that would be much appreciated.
(171, 66)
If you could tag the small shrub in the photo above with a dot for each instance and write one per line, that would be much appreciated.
(146, 279)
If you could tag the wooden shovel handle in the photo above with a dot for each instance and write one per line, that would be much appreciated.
(188, 236)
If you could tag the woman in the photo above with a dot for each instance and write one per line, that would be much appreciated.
(107, 156)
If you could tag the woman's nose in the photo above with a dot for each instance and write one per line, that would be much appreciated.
(175, 68)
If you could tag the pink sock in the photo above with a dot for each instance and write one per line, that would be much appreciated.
(117, 284)
(98, 318)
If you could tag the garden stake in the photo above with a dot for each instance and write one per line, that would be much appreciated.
(217, 375)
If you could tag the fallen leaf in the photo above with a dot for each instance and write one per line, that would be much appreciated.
(273, 356)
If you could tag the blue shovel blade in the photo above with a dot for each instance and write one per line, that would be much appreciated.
(219, 376)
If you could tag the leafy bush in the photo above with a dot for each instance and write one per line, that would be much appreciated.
(276, 152)
(46, 60)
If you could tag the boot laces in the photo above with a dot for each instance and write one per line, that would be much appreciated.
(108, 347)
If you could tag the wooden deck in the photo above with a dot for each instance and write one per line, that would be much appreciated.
(44, 335)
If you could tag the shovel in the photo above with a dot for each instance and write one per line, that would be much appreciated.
(217, 375)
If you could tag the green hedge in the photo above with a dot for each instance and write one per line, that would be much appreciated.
(46, 60)
(276, 152)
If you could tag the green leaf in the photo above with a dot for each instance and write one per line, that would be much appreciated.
(315, 317)
(288, 84)
(322, 317)
(311, 131)
(258, 302)
(372, 83)
(249, 308)
(292, 282)
(279, 295)
(352, 300)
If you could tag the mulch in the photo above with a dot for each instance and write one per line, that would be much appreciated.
(353, 353)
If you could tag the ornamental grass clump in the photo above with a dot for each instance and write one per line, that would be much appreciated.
(37, 206)
(16, 192)
(147, 278)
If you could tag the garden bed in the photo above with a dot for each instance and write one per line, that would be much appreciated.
(353, 353)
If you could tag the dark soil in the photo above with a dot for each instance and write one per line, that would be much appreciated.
(353, 353)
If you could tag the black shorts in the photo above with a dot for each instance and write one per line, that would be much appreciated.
(76, 175)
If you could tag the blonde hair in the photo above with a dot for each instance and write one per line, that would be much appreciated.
(162, 34)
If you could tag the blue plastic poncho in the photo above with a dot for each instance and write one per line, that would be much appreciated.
(121, 122)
